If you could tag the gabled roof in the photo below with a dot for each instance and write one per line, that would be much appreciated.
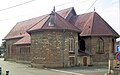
(92, 24)
(21, 27)
(64, 13)
(59, 24)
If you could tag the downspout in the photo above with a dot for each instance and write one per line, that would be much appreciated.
(63, 43)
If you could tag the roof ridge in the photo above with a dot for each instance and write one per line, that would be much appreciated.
(44, 22)
(93, 16)
(68, 12)
(38, 22)
(87, 21)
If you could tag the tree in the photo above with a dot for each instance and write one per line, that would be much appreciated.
(3, 44)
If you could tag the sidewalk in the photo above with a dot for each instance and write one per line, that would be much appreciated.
(93, 70)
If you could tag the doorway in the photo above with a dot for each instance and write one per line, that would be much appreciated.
(85, 61)
(72, 61)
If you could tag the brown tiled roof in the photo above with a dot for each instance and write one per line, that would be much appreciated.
(21, 27)
(92, 24)
(59, 24)
(25, 40)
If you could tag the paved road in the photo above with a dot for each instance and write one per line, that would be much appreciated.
(25, 69)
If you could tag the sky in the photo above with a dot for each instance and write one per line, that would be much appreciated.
(109, 10)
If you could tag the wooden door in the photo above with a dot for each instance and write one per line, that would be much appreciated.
(72, 61)
(85, 61)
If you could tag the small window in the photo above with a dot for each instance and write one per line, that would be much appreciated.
(71, 45)
(51, 22)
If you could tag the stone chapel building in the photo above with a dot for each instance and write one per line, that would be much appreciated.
(61, 39)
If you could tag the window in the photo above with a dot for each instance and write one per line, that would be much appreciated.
(100, 46)
(25, 50)
(51, 22)
(71, 45)
(13, 49)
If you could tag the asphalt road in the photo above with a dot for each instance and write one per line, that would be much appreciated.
(25, 69)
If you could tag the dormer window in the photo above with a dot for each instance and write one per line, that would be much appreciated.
(51, 22)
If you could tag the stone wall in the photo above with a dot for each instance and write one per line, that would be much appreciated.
(23, 53)
(51, 48)
(10, 55)
(14, 52)
(99, 58)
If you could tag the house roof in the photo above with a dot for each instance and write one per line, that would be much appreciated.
(25, 40)
(21, 27)
(93, 24)
(59, 24)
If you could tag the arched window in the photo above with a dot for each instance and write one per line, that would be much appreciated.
(71, 44)
(100, 46)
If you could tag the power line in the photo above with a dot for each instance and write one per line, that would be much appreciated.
(91, 5)
(72, 2)
(39, 10)
(17, 5)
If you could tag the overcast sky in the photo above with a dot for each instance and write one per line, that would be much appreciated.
(108, 9)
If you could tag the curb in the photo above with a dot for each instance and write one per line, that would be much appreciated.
(67, 72)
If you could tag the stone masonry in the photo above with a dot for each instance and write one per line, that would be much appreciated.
(99, 58)
(50, 48)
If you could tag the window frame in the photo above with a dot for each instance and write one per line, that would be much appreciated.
(100, 46)
(71, 44)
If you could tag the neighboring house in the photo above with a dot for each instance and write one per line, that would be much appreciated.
(62, 39)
